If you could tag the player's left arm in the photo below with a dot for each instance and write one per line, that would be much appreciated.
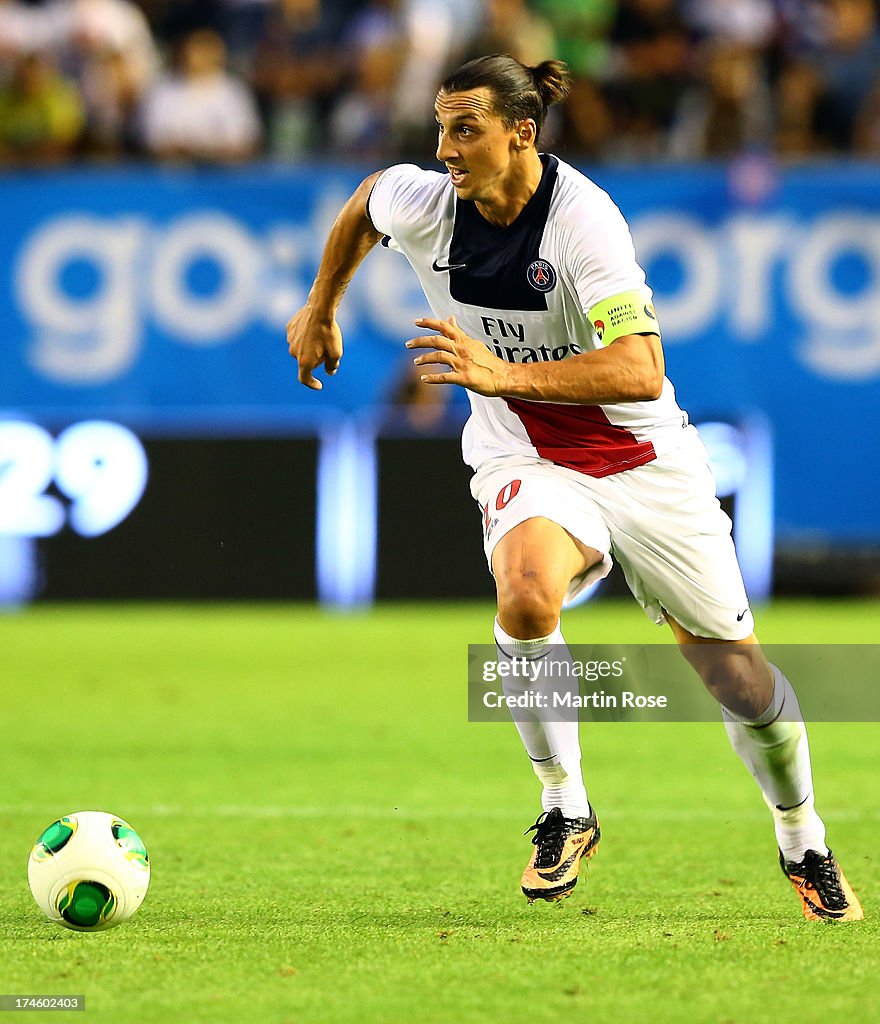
(629, 369)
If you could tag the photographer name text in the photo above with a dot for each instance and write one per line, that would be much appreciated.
(599, 699)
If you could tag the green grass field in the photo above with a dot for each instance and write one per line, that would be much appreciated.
(332, 841)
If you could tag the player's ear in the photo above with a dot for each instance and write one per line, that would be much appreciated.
(526, 133)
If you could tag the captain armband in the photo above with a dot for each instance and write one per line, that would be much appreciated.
(627, 313)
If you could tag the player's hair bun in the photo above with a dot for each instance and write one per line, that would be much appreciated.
(552, 81)
(518, 91)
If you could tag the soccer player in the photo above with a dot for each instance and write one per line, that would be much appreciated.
(578, 447)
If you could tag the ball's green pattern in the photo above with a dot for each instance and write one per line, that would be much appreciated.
(55, 838)
(130, 843)
(86, 904)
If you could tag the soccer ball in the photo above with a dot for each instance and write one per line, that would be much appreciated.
(89, 871)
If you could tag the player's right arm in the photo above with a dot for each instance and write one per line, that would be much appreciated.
(313, 335)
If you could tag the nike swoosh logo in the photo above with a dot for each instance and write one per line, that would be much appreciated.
(557, 873)
(741, 615)
(449, 266)
(822, 912)
(779, 807)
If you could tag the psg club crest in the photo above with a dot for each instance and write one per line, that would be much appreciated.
(541, 275)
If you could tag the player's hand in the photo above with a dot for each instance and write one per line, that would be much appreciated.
(313, 339)
(470, 363)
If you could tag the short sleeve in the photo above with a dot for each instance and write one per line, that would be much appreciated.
(604, 271)
(399, 199)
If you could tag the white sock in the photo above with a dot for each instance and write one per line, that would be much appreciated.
(551, 744)
(774, 748)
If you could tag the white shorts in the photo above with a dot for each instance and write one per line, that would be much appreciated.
(662, 522)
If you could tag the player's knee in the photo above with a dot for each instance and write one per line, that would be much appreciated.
(528, 604)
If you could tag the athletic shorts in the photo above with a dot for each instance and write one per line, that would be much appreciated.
(662, 523)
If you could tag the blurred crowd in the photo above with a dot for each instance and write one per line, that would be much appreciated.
(220, 81)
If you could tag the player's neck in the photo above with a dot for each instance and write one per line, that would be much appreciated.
(517, 190)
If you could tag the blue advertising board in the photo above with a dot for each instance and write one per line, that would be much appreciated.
(158, 298)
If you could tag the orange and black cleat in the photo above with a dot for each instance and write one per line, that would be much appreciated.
(560, 845)
(825, 893)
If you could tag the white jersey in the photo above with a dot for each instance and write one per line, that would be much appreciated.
(560, 280)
